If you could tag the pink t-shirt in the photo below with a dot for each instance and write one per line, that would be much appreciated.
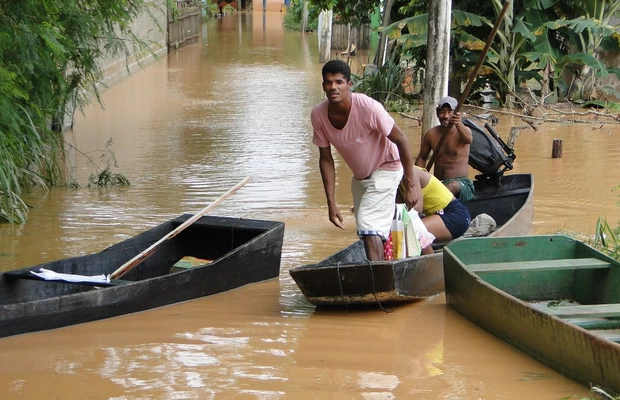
(363, 142)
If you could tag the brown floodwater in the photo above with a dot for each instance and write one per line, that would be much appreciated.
(186, 129)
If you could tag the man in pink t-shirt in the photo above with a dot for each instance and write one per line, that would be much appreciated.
(375, 149)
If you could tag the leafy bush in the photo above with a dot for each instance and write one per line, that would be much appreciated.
(294, 14)
(391, 85)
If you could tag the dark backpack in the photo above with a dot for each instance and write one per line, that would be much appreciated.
(488, 153)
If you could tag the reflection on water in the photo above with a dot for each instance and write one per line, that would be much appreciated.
(184, 131)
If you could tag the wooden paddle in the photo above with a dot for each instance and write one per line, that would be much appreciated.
(148, 252)
(470, 81)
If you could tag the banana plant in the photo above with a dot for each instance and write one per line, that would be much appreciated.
(546, 38)
(581, 29)
(504, 54)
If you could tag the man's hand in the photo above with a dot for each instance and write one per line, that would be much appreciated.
(411, 197)
(455, 118)
(335, 217)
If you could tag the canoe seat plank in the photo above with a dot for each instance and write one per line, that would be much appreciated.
(585, 311)
(27, 275)
(541, 265)
(596, 323)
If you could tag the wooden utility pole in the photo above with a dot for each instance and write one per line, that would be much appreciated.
(325, 35)
(304, 18)
(437, 60)
(383, 43)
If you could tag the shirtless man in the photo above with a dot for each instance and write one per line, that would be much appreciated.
(451, 161)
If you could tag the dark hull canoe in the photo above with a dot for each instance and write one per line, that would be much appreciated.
(348, 278)
(552, 297)
(243, 251)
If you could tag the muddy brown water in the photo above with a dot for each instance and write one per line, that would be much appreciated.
(237, 104)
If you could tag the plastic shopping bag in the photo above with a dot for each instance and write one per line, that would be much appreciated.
(424, 236)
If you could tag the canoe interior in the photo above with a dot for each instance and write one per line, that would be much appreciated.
(502, 198)
(552, 297)
(538, 268)
(211, 238)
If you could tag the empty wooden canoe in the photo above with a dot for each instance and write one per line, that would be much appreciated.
(242, 251)
(552, 297)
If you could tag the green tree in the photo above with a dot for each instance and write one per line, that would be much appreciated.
(48, 58)
(292, 19)
(537, 36)
(568, 38)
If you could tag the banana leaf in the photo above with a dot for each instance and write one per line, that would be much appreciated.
(583, 59)
(418, 27)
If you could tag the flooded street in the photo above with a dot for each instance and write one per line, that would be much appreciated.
(184, 130)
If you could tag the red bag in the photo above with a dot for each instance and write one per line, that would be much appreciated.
(388, 249)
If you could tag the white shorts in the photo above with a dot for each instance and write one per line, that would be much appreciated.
(374, 200)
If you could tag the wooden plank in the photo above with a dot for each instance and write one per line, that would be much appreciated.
(598, 323)
(541, 265)
(585, 311)
(609, 334)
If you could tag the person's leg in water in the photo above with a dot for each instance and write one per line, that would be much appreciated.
(373, 202)
(374, 247)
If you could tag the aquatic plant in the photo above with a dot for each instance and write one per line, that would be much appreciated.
(606, 237)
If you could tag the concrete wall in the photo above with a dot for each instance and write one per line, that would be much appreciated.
(115, 67)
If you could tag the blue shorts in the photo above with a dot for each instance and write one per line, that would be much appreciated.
(456, 218)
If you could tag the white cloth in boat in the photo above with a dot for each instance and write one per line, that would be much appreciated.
(49, 275)
(482, 225)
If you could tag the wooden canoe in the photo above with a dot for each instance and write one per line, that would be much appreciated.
(243, 251)
(348, 278)
(552, 297)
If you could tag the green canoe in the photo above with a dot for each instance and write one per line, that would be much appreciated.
(552, 297)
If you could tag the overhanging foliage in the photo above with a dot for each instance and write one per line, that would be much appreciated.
(48, 57)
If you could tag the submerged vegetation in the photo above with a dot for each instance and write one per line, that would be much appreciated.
(48, 64)
(606, 236)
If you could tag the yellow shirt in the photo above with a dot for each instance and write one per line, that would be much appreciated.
(436, 196)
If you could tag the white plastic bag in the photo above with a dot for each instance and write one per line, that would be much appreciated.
(424, 236)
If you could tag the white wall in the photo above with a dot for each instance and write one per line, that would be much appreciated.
(115, 68)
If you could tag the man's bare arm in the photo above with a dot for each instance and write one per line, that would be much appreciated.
(463, 131)
(328, 175)
(419, 206)
(397, 136)
(425, 149)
